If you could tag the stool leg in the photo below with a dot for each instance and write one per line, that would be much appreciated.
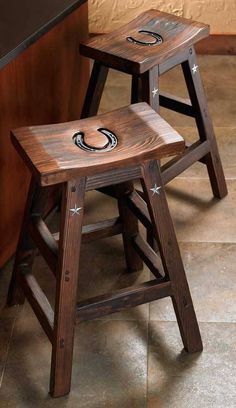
(130, 227)
(24, 257)
(136, 89)
(171, 258)
(66, 286)
(95, 89)
(204, 124)
(150, 87)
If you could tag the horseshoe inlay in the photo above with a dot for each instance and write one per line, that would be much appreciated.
(78, 139)
(157, 39)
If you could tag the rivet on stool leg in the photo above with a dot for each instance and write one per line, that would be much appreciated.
(171, 258)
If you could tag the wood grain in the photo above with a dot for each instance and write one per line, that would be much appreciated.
(52, 156)
(114, 49)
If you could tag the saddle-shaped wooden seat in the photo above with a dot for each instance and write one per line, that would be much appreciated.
(146, 48)
(139, 133)
(167, 35)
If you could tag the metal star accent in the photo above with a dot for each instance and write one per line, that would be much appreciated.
(154, 92)
(195, 68)
(76, 210)
(155, 190)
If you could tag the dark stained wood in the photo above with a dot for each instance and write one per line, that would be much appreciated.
(122, 299)
(130, 227)
(137, 125)
(146, 64)
(24, 253)
(167, 243)
(44, 240)
(176, 104)
(140, 132)
(101, 229)
(116, 177)
(45, 84)
(150, 87)
(98, 230)
(139, 208)
(204, 124)
(115, 51)
(191, 155)
(38, 302)
(95, 89)
(148, 255)
(66, 286)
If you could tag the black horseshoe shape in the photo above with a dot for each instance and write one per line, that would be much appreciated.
(78, 139)
(157, 39)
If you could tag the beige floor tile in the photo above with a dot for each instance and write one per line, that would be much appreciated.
(180, 380)
(198, 217)
(109, 369)
(210, 270)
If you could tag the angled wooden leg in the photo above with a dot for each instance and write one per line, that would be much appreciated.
(130, 227)
(170, 254)
(36, 202)
(136, 89)
(204, 124)
(95, 89)
(66, 286)
(150, 87)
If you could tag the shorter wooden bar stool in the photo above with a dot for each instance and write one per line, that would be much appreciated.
(146, 48)
(110, 149)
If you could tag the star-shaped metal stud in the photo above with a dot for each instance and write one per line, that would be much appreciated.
(195, 68)
(155, 190)
(76, 210)
(154, 92)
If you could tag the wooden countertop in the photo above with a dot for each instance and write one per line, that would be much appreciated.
(22, 22)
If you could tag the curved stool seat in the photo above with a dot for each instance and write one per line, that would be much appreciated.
(111, 149)
(56, 153)
(146, 48)
(157, 36)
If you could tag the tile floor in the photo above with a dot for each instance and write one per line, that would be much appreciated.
(134, 359)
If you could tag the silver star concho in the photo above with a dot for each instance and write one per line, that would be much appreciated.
(154, 92)
(195, 68)
(76, 210)
(155, 190)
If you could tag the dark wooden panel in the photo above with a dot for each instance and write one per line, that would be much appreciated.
(45, 84)
(23, 22)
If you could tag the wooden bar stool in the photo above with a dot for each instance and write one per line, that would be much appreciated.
(146, 48)
(114, 148)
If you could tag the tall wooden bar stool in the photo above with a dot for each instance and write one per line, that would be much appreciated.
(146, 48)
(114, 148)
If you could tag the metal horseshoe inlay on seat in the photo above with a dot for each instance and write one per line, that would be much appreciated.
(157, 39)
(112, 141)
